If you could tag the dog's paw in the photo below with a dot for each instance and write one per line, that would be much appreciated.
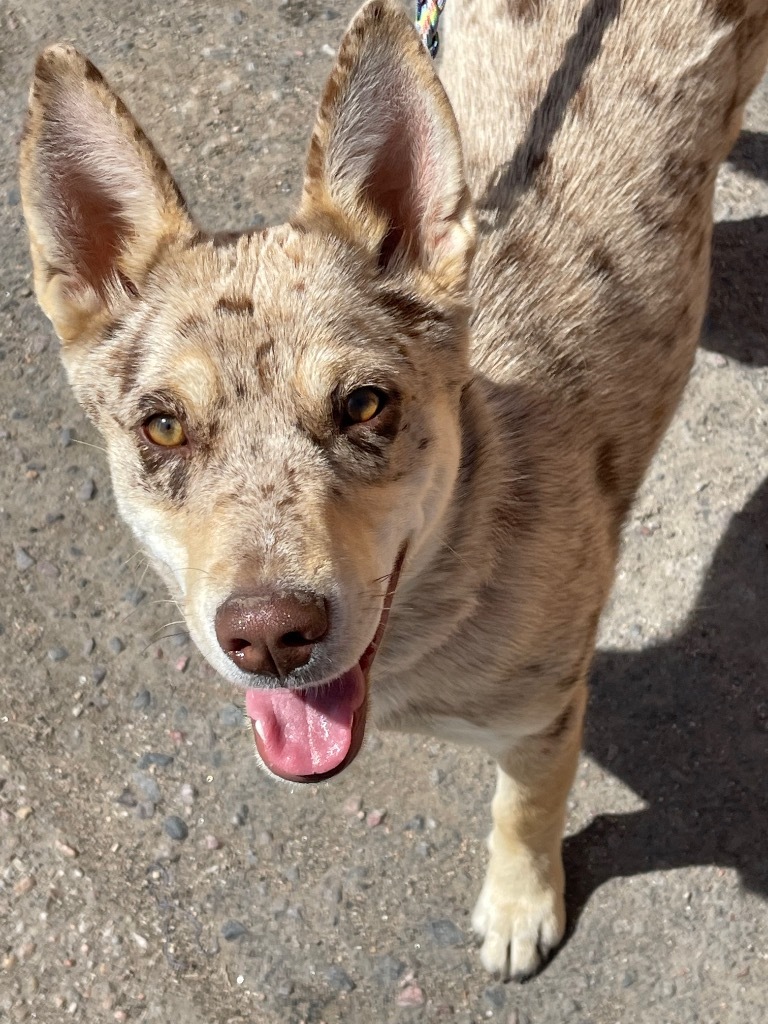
(519, 920)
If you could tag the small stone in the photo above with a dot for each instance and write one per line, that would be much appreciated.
(352, 806)
(65, 437)
(87, 489)
(148, 786)
(98, 674)
(49, 570)
(339, 980)
(241, 814)
(25, 950)
(89, 645)
(180, 639)
(24, 885)
(437, 776)
(495, 996)
(176, 828)
(231, 715)
(58, 653)
(411, 995)
(187, 794)
(628, 979)
(142, 700)
(232, 930)
(140, 941)
(414, 824)
(160, 760)
(182, 663)
(211, 842)
(134, 596)
(65, 848)
(374, 818)
(386, 970)
(23, 813)
(445, 933)
(145, 810)
(116, 645)
(23, 559)
(126, 798)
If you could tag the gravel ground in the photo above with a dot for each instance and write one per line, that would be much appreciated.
(149, 871)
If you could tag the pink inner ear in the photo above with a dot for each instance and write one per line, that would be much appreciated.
(398, 186)
(87, 222)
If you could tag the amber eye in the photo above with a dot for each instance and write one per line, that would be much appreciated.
(165, 430)
(363, 404)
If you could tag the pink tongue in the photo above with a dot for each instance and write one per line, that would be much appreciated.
(306, 732)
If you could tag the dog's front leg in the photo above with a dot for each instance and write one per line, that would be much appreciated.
(520, 915)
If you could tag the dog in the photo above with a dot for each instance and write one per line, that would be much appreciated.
(382, 454)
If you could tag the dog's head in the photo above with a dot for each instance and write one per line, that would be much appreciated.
(280, 408)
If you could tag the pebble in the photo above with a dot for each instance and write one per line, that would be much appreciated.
(231, 715)
(495, 996)
(142, 700)
(49, 570)
(160, 760)
(339, 980)
(126, 798)
(145, 810)
(98, 674)
(411, 995)
(116, 645)
(386, 970)
(23, 559)
(89, 646)
(24, 885)
(187, 794)
(445, 933)
(65, 437)
(232, 930)
(180, 638)
(353, 805)
(134, 595)
(148, 786)
(58, 653)
(241, 814)
(65, 849)
(182, 663)
(414, 824)
(211, 842)
(176, 828)
(87, 489)
(374, 818)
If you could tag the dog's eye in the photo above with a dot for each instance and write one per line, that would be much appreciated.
(363, 404)
(165, 430)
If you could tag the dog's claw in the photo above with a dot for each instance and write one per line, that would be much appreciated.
(518, 931)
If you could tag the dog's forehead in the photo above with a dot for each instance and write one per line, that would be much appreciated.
(261, 305)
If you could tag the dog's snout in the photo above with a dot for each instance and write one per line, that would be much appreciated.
(271, 635)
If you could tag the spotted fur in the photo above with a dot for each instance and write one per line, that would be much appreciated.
(529, 304)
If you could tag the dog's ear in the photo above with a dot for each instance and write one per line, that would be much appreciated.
(385, 167)
(98, 200)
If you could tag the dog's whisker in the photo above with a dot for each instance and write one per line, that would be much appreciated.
(88, 444)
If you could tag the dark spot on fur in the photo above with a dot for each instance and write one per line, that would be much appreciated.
(526, 10)
(569, 682)
(192, 325)
(413, 315)
(562, 723)
(580, 99)
(534, 668)
(423, 444)
(165, 471)
(126, 366)
(600, 263)
(238, 305)
(606, 468)
(730, 10)
(267, 490)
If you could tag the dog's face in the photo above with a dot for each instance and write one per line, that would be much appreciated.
(280, 409)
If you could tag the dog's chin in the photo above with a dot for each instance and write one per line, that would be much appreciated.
(312, 734)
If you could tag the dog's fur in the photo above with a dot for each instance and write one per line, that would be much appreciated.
(526, 397)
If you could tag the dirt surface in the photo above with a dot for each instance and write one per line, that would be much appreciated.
(149, 871)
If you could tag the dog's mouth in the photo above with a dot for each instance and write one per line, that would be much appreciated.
(312, 734)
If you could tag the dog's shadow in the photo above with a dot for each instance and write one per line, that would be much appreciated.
(685, 725)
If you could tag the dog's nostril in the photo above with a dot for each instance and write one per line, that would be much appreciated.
(295, 639)
(271, 635)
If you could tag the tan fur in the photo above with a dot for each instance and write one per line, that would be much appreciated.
(528, 402)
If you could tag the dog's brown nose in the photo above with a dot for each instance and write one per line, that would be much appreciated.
(271, 635)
